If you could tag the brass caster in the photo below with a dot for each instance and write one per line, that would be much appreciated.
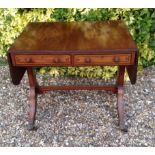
(31, 127)
(123, 127)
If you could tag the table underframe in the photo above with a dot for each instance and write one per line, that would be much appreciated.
(35, 89)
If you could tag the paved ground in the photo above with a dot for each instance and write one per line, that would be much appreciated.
(77, 118)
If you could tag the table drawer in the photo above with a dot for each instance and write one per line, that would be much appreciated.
(40, 60)
(116, 59)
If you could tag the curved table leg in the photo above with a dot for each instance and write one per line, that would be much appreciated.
(32, 109)
(120, 108)
(120, 94)
(32, 99)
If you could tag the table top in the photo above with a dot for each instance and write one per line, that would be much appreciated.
(74, 36)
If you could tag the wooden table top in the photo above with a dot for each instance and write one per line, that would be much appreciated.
(69, 40)
(74, 36)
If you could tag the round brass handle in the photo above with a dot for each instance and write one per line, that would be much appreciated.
(88, 60)
(29, 60)
(56, 60)
(117, 59)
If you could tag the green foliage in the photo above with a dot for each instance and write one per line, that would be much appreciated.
(3, 62)
(141, 23)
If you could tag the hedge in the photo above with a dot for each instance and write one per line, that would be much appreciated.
(141, 23)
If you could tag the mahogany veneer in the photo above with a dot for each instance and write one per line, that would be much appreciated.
(88, 43)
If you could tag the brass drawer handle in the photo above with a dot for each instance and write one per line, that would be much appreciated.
(56, 60)
(87, 60)
(116, 59)
(28, 60)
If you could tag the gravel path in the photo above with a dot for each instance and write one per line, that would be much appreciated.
(77, 118)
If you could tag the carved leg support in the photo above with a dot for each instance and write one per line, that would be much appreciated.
(120, 102)
(32, 99)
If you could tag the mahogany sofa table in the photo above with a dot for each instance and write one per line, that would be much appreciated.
(87, 43)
